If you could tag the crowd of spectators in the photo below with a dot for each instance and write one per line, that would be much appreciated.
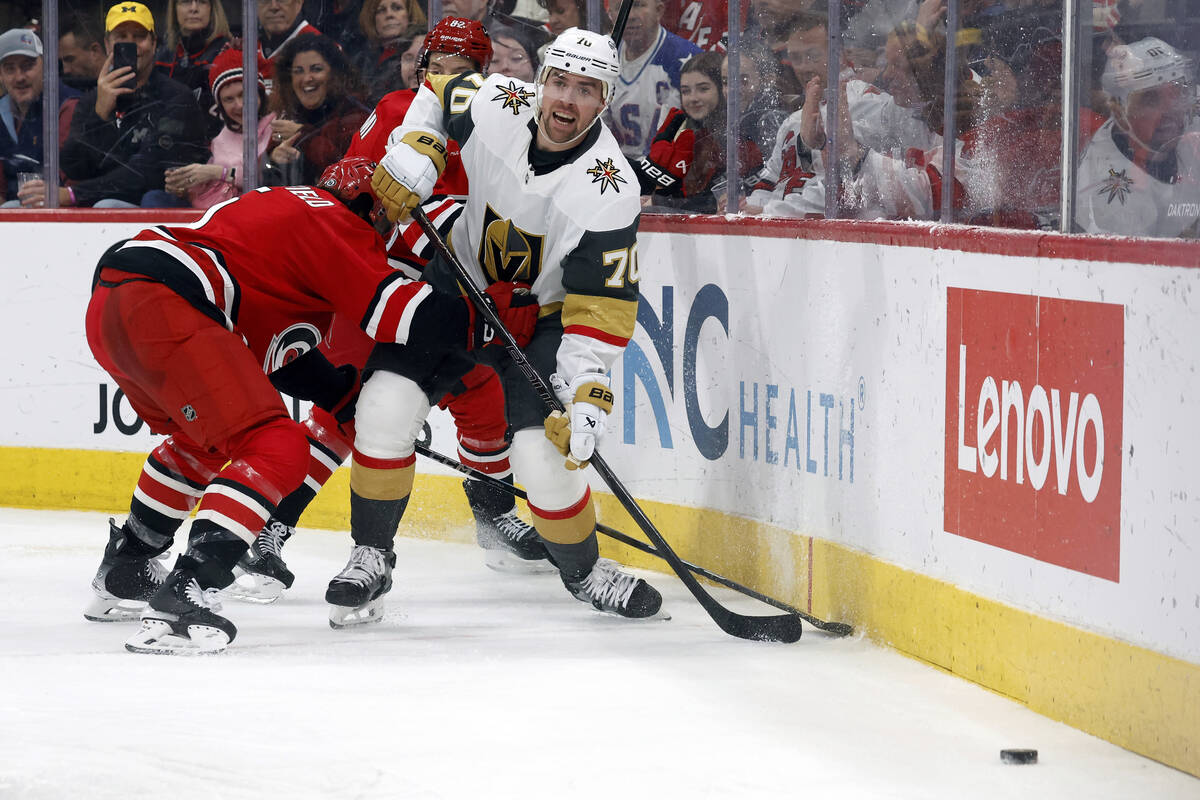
(167, 130)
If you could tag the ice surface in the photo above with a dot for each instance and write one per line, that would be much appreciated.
(483, 685)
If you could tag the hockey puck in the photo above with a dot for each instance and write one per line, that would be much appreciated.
(1018, 756)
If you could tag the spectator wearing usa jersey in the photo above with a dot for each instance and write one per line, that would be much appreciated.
(203, 185)
(648, 87)
(389, 27)
(318, 107)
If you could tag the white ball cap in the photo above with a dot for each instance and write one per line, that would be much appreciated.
(20, 42)
(1143, 64)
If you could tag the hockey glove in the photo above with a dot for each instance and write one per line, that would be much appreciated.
(407, 172)
(310, 376)
(517, 309)
(578, 430)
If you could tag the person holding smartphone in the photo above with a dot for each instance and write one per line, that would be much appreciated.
(135, 124)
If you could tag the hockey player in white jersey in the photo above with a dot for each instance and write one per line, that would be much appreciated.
(1140, 174)
(552, 203)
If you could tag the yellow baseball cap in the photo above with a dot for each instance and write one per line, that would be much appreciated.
(129, 12)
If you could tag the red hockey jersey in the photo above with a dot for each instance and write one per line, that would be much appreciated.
(273, 266)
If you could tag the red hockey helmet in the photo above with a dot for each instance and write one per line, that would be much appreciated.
(460, 37)
(349, 180)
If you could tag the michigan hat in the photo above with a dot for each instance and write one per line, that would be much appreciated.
(129, 12)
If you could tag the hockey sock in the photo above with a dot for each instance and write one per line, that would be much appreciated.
(172, 480)
(574, 561)
(211, 557)
(570, 536)
(327, 450)
(488, 502)
(379, 492)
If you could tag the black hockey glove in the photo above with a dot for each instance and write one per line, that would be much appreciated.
(311, 376)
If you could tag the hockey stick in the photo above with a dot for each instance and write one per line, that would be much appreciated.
(835, 628)
(779, 628)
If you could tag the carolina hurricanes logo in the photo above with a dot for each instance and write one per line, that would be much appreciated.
(514, 97)
(1116, 186)
(289, 344)
(606, 174)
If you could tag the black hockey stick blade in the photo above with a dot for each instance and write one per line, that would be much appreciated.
(780, 628)
(834, 628)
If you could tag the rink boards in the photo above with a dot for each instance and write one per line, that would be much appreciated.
(977, 447)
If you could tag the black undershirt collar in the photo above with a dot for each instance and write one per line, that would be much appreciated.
(542, 162)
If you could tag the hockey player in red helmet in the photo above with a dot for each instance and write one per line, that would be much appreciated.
(201, 326)
(510, 544)
(456, 36)
(350, 181)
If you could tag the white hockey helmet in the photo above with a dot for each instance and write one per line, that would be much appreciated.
(581, 52)
(1142, 65)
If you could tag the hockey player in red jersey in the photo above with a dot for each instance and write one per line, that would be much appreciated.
(190, 321)
(454, 45)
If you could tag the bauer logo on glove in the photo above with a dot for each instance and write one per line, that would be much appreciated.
(576, 432)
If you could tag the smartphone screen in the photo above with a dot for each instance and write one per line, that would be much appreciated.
(125, 55)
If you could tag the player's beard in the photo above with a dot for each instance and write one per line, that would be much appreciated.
(558, 132)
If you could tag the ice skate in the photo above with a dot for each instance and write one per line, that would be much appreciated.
(181, 619)
(607, 588)
(355, 593)
(509, 543)
(261, 576)
(125, 579)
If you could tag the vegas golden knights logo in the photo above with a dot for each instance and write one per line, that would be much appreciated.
(508, 253)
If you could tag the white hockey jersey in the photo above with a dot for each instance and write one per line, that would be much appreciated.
(571, 231)
(1115, 195)
(647, 89)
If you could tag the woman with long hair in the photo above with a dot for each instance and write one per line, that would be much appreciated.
(389, 27)
(196, 31)
(685, 167)
(318, 107)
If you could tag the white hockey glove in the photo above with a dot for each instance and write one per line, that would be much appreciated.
(407, 172)
(576, 432)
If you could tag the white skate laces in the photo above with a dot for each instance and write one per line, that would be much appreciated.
(607, 584)
(273, 537)
(204, 598)
(511, 526)
(365, 564)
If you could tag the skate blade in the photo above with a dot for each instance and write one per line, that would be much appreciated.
(156, 637)
(114, 609)
(503, 561)
(350, 617)
(662, 615)
(249, 587)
